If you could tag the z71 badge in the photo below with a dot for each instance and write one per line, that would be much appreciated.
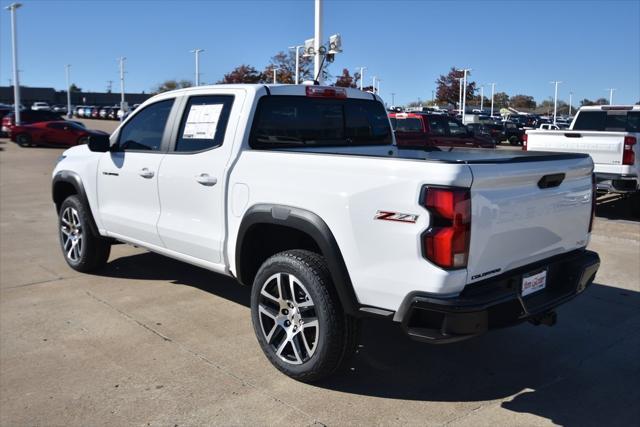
(396, 216)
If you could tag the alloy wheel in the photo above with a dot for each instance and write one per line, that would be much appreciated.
(71, 234)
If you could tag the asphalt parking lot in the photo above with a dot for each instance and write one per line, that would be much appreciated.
(152, 341)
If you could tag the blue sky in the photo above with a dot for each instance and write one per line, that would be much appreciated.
(520, 45)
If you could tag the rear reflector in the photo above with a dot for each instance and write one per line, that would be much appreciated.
(326, 92)
(446, 242)
(628, 156)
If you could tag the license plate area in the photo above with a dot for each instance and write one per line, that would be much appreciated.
(533, 282)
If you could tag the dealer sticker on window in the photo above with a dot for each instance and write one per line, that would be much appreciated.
(534, 283)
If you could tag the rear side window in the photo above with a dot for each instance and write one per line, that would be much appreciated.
(204, 123)
(611, 121)
(305, 121)
(144, 131)
(437, 126)
(409, 125)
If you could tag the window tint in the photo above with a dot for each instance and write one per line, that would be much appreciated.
(590, 120)
(204, 123)
(297, 120)
(456, 128)
(409, 125)
(608, 121)
(394, 122)
(633, 121)
(437, 126)
(144, 130)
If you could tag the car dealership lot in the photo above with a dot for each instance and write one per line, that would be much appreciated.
(152, 340)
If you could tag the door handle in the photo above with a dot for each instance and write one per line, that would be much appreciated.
(206, 179)
(146, 173)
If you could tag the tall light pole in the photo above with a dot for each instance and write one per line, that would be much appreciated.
(317, 41)
(459, 94)
(297, 48)
(275, 71)
(362, 77)
(393, 99)
(493, 89)
(611, 90)
(555, 100)
(464, 92)
(122, 103)
(570, 101)
(197, 54)
(14, 45)
(68, 68)
(378, 89)
(482, 98)
(373, 84)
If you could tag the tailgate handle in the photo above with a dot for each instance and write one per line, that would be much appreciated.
(550, 181)
(573, 135)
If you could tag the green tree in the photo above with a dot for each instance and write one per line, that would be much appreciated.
(74, 88)
(524, 102)
(448, 87)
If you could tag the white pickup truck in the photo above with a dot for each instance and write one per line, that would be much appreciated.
(609, 134)
(299, 192)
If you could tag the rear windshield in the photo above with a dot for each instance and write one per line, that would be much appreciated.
(297, 120)
(409, 125)
(608, 121)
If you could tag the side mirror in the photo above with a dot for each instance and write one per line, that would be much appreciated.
(99, 143)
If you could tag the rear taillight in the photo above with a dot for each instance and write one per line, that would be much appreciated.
(525, 139)
(326, 92)
(628, 156)
(446, 242)
(594, 195)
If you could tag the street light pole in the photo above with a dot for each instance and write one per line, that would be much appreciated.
(122, 59)
(464, 94)
(197, 54)
(393, 99)
(317, 41)
(274, 75)
(570, 101)
(68, 67)
(373, 85)
(14, 45)
(378, 89)
(362, 77)
(555, 100)
(297, 48)
(493, 89)
(482, 98)
(459, 94)
(611, 90)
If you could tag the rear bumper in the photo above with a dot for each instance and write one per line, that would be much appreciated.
(617, 183)
(496, 302)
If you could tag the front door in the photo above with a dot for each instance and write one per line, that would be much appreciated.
(192, 176)
(128, 201)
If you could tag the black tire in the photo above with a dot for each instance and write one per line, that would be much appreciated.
(82, 140)
(23, 139)
(513, 140)
(335, 338)
(89, 252)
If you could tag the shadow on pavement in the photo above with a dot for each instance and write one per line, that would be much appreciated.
(614, 206)
(583, 371)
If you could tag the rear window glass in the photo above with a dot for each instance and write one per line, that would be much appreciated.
(614, 121)
(304, 121)
(409, 125)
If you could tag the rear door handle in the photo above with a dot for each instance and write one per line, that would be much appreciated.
(146, 173)
(206, 179)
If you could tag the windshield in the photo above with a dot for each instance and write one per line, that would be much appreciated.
(603, 121)
(298, 120)
(408, 125)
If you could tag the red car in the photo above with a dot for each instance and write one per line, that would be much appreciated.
(429, 130)
(59, 133)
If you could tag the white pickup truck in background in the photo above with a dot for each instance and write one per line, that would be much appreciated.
(609, 134)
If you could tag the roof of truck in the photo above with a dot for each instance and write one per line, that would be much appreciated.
(610, 107)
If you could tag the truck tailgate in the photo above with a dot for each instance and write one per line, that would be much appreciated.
(604, 147)
(516, 222)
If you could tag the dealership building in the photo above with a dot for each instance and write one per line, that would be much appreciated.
(29, 95)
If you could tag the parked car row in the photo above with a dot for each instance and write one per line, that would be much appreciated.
(113, 112)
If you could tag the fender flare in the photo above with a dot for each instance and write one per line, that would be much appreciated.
(74, 179)
(311, 224)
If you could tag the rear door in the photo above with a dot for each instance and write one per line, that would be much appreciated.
(410, 131)
(128, 201)
(192, 176)
(437, 130)
(457, 134)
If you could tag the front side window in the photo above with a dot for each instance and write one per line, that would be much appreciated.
(204, 123)
(456, 128)
(144, 131)
(437, 126)
(296, 120)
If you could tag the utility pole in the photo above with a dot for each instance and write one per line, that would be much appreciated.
(68, 68)
(275, 70)
(570, 101)
(317, 41)
(611, 90)
(555, 100)
(493, 89)
(197, 54)
(297, 48)
(482, 98)
(362, 77)
(14, 45)
(122, 103)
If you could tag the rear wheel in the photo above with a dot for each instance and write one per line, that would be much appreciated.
(513, 140)
(297, 316)
(82, 249)
(82, 140)
(23, 139)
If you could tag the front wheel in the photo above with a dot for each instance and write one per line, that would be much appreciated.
(82, 249)
(298, 318)
(23, 139)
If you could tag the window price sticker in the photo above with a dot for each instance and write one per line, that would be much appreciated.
(202, 121)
